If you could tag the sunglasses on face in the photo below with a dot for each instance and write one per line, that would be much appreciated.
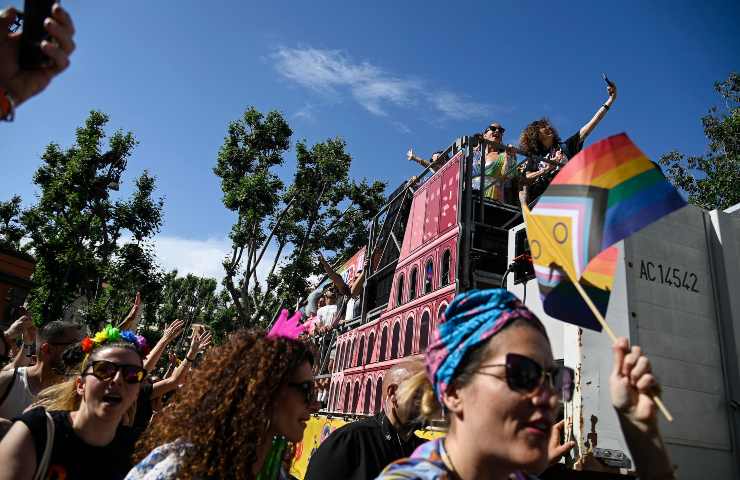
(306, 388)
(496, 128)
(105, 370)
(527, 376)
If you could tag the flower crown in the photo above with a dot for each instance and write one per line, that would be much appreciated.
(111, 334)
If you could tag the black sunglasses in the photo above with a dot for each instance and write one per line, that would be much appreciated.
(496, 128)
(525, 375)
(306, 388)
(105, 370)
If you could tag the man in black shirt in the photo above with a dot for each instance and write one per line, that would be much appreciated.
(361, 449)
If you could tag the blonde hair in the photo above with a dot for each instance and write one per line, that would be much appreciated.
(416, 399)
(64, 397)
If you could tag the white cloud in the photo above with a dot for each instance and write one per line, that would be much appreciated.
(458, 107)
(333, 73)
(201, 257)
(402, 127)
(306, 113)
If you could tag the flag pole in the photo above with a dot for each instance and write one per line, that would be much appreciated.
(530, 220)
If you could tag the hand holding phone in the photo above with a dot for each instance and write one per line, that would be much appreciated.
(35, 13)
(22, 74)
(611, 87)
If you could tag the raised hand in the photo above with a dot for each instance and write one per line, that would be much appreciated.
(199, 342)
(612, 90)
(172, 330)
(20, 326)
(23, 84)
(632, 385)
(555, 449)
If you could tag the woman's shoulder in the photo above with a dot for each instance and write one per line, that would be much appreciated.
(424, 464)
(414, 469)
(35, 419)
(162, 463)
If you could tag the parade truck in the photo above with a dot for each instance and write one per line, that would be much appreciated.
(676, 294)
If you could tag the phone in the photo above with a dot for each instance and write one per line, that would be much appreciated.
(606, 79)
(34, 14)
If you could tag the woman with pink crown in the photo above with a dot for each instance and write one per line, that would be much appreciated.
(248, 400)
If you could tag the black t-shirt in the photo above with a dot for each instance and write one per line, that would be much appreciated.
(572, 145)
(359, 450)
(144, 408)
(71, 457)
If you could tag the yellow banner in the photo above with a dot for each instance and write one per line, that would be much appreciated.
(317, 429)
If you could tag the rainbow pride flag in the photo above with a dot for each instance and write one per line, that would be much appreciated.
(604, 194)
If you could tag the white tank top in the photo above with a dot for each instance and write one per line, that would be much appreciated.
(19, 398)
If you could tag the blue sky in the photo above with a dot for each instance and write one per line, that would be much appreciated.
(382, 75)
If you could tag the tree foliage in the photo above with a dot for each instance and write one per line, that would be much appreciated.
(11, 228)
(193, 299)
(87, 245)
(712, 180)
(322, 208)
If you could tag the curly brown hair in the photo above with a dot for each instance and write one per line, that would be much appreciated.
(224, 410)
(529, 140)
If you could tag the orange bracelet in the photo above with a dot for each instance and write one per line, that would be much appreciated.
(7, 106)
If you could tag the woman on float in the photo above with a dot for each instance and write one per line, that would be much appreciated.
(540, 139)
(490, 369)
(498, 165)
(246, 401)
(77, 432)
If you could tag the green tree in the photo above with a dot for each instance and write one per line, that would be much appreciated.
(712, 180)
(11, 228)
(321, 209)
(87, 245)
(194, 300)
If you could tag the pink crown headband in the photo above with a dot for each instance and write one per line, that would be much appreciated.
(285, 327)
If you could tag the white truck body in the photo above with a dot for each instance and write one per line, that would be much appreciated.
(677, 295)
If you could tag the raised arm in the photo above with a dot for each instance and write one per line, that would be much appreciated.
(336, 279)
(130, 319)
(589, 127)
(24, 325)
(197, 344)
(170, 333)
(415, 158)
(632, 386)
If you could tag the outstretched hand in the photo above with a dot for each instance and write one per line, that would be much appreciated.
(173, 330)
(612, 90)
(555, 449)
(199, 342)
(632, 385)
(21, 326)
(23, 84)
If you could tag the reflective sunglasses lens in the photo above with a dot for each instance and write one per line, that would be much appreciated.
(522, 373)
(104, 370)
(133, 374)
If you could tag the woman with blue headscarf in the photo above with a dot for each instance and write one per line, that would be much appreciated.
(490, 370)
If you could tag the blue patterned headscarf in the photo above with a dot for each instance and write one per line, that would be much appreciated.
(472, 318)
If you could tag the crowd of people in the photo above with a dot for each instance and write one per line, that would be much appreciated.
(496, 171)
(80, 406)
(488, 378)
